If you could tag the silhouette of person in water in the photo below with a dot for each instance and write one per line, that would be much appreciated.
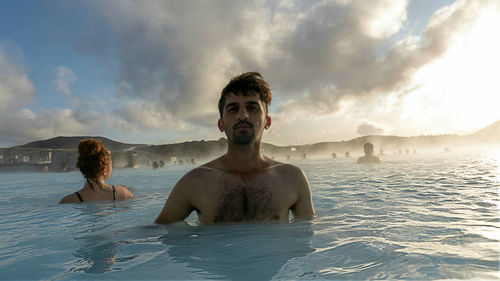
(243, 184)
(155, 165)
(368, 158)
(95, 164)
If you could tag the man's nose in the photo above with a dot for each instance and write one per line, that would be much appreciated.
(242, 114)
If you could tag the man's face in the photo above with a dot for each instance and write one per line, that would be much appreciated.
(244, 118)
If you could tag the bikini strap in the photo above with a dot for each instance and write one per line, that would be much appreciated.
(114, 192)
(79, 196)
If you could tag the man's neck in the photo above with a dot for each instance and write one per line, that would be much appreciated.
(244, 158)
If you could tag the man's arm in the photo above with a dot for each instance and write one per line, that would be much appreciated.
(303, 208)
(178, 206)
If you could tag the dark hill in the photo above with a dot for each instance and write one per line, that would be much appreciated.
(72, 143)
(490, 134)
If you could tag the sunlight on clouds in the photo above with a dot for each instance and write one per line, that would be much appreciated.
(461, 87)
(385, 19)
(28, 114)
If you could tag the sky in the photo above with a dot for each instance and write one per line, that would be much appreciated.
(151, 72)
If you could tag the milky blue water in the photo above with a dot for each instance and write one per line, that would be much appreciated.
(412, 217)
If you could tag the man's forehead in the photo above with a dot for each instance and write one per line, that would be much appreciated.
(248, 96)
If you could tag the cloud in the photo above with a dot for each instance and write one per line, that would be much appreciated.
(135, 115)
(315, 54)
(182, 62)
(18, 124)
(331, 48)
(24, 125)
(369, 129)
(63, 79)
(16, 89)
(174, 57)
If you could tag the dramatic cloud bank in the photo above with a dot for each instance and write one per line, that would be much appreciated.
(331, 65)
(315, 54)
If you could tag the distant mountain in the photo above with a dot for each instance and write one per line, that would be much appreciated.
(490, 134)
(72, 143)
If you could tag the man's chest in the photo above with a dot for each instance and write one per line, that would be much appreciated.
(235, 198)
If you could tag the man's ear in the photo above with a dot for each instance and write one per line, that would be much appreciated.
(268, 122)
(220, 124)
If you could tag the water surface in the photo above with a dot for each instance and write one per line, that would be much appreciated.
(412, 217)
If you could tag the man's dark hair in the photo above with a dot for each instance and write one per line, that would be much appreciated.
(368, 147)
(243, 84)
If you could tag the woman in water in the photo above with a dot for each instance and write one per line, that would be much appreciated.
(94, 162)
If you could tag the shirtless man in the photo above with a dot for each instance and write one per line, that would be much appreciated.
(368, 158)
(243, 184)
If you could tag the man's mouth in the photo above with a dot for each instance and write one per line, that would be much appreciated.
(244, 125)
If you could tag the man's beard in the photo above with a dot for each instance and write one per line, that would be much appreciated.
(242, 139)
(245, 136)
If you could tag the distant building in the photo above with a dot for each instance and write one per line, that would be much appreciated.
(3, 155)
(64, 160)
(132, 159)
(10, 156)
(122, 159)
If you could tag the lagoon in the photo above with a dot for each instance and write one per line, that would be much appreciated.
(411, 217)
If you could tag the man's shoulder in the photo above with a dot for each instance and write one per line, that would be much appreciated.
(201, 174)
(201, 171)
(292, 176)
(286, 170)
(285, 167)
(368, 159)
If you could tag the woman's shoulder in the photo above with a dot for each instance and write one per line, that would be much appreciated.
(123, 192)
(70, 198)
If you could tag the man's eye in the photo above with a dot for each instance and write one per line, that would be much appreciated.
(254, 108)
(232, 109)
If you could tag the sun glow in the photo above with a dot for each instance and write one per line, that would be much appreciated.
(464, 81)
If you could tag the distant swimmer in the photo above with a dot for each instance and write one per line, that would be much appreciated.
(155, 165)
(347, 154)
(304, 156)
(368, 158)
(242, 185)
(334, 155)
(95, 164)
